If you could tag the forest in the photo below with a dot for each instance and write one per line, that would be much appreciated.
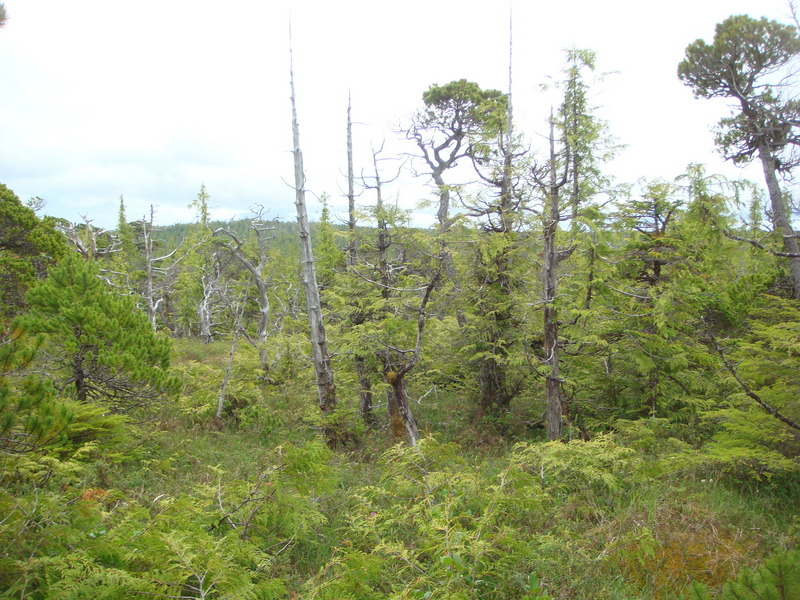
(566, 388)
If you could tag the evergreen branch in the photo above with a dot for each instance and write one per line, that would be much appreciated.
(389, 287)
(761, 246)
(749, 392)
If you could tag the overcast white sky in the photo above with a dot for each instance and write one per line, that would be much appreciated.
(149, 100)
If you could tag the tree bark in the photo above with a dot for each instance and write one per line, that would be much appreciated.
(552, 216)
(400, 417)
(352, 246)
(351, 255)
(326, 388)
(780, 218)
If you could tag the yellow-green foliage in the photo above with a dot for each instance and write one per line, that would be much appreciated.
(224, 541)
(435, 526)
(748, 441)
(597, 467)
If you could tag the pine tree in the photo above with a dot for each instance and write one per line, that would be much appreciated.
(28, 245)
(98, 345)
(30, 415)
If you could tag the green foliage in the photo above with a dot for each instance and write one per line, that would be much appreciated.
(433, 527)
(225, 541)
(97, 343)
(597, 467)
(682, 471)
(778, 578)
(745, 62)
(744, 49)
(30, 415)
(28, 245)
(748, 440)
(463, 105)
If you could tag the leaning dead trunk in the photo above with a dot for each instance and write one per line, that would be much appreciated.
(262, 283)
(401, 420)
(319, 344)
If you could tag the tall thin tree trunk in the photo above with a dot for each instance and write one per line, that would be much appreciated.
(262, 283)
(149, 292)
(496, 391)
(551, 216)
(351, 195)
(351, 254)
(326, 388)
(238, 311)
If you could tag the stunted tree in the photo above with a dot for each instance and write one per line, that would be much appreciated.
(154, 268)
(197, 284)
(396, 322)
(444, 131)
(491, 318)
(352, 244)
(747, 62)
(568, 183)
(97, 343)
(357, 316)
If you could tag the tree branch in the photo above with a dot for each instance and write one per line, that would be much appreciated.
(759, 245)
(750, 393)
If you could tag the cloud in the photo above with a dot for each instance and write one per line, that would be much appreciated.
(103, 99)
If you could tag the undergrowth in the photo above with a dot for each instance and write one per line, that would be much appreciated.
(256, 506)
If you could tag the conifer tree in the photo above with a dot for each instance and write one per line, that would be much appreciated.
(98, 346)
(30, 415)
(744, 63)
(28, 245)
(492, 325)
(196, 286)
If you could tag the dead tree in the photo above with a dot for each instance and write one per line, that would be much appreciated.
(357, 317)
(326, 388)
(91, 242)
(150, 293)
(261, 229)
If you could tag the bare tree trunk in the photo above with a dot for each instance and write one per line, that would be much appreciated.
(351, 195)
(149, 265)
(237, 324)
(400, 417)
(552, 216)
(780, 218)
(319, 343)
(205, 310)
(362, 368)
(204, 315)
(395, 371)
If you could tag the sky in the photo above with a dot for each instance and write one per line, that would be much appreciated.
(102, 99)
